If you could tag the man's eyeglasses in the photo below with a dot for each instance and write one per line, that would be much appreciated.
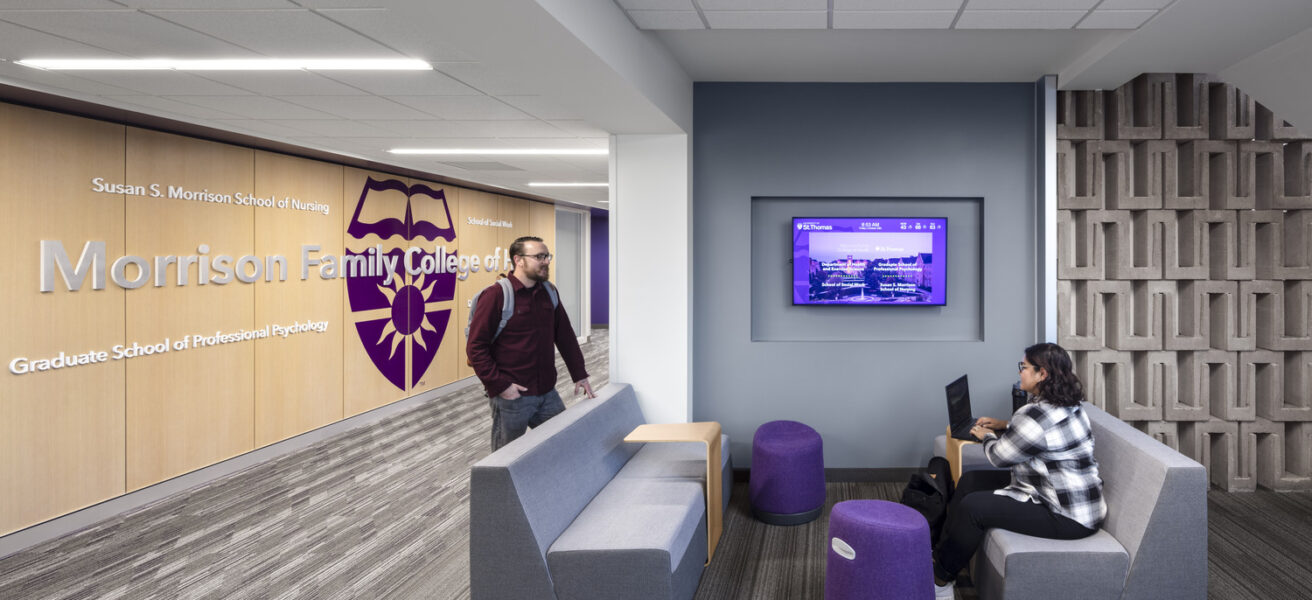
(544, 257)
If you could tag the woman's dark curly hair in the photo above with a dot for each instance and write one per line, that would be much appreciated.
(1062, 387)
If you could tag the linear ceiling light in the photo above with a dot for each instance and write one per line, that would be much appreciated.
(566, 185)
(504, 151)
(238, 64)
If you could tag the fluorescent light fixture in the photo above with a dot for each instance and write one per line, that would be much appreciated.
(567, 185)
(236, 64)
(504, 151)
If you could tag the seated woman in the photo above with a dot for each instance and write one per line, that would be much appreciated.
(1052, 489)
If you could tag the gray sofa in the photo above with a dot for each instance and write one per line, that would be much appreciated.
(571, 511)
(1153, 544)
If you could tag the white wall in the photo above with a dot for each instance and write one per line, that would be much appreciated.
(651, 272)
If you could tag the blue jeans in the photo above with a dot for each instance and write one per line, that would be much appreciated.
(512, 418)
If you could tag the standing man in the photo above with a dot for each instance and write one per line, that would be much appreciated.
(518, 366)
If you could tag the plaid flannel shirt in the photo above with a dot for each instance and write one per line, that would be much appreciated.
(1050, 451)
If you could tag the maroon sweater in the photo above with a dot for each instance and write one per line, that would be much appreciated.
(523, 352)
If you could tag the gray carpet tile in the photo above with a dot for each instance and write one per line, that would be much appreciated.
(381, 511)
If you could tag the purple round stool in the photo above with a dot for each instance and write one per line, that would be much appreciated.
(787, 481)
(878, 551)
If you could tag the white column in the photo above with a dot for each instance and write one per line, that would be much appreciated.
(651, 272)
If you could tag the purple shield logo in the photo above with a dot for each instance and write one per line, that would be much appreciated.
(413, 326)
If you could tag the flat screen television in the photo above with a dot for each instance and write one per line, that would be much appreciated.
(877, 261)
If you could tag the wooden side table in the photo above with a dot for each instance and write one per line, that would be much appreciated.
(709, 433)
(954, 454)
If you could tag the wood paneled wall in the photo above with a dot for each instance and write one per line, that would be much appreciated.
(75, 436)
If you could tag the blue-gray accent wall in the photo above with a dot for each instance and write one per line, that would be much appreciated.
(877, 404)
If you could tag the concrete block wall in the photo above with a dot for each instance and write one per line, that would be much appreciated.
(1185, 271)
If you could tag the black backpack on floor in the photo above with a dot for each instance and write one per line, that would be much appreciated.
(928, 492)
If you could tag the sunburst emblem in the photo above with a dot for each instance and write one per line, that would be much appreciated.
(408, 315)
(401, 319)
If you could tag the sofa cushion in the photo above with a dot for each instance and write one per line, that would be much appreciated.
(1039, 568)
(525, 494)
(645, 524)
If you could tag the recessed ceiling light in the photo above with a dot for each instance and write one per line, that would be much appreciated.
(570, 184)
(238, 64)
(505, 151)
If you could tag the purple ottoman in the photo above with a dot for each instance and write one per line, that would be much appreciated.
(787, 481)
(878, 551)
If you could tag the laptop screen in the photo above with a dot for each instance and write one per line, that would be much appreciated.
(958, 402)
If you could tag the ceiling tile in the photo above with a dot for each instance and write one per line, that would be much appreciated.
(469, 129)
(768, 20)
(484, 108)
(894, 19)
(402, 83)
(1116, 19)
(128, 32)
(656, 4)
(580, 128)
(209, 4)
(540, 107)
(295, 33)
(763, 5)
(1030, 4)
(667, 19)
(479, 77)
(52, 81)
(897, 4)
(157, 103)
(480, 165)
(281, 83)
(259, 128)
(333, 128)
(59, 5)
(1133, 4)
(409, 36)
(357, 107)
(20, 42)
(254, 107)
(1019, 19)
(161, 83)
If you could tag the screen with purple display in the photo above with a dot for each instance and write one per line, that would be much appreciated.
(870, 261)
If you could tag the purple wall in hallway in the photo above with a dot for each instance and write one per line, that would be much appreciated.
(600, 276)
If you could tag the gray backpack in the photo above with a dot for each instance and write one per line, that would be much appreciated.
(507, 304)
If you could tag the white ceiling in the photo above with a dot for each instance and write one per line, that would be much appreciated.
(567, 73)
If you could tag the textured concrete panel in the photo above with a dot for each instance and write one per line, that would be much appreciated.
(1134, 110)
(1290, 399)
(1205, 377)
(1133, 174)
(1269, 127)
(1134, 243)
(1233, 113)
(1080, 115)
(1284, 251)
(1106, 375)
(1185, 247)
(1215, 444)
(1185, 112)
(1185, 177)
(1131, 314)
(1081, 239)
(1185, 271)
(1262, 446)
(1156, 379)
(1165, 432)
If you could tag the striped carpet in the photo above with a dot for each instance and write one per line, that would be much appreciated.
(382, 512)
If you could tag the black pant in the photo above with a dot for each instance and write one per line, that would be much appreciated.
(974, 509)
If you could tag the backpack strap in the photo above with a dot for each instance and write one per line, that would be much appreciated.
(555, 296)
(507, 304)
